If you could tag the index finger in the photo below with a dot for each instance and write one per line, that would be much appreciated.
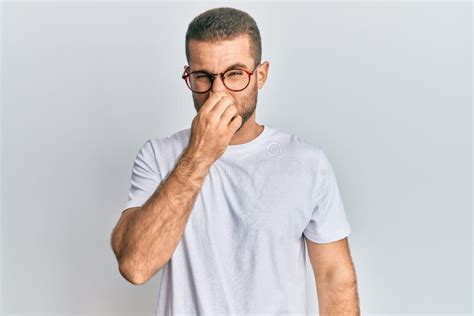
(211, 102)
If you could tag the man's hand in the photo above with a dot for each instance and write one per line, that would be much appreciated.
(213, 126)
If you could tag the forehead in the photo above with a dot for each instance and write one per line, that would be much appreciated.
(218, 56)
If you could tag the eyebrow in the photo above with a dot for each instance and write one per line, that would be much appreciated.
(233, 66)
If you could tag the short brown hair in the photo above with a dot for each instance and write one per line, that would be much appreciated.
(225, 23)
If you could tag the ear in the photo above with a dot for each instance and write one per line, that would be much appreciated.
(262, 74)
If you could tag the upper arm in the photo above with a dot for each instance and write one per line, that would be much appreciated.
(328, 221)
(331, 259)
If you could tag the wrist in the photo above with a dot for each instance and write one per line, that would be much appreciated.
(192, 160)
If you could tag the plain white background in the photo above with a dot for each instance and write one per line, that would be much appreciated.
(384, 87)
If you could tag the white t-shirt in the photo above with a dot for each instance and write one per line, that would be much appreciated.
(243, 250)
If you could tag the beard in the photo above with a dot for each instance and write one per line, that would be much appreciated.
(245, 106)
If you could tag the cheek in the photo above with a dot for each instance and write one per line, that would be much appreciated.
(200, 98)
(240, 97)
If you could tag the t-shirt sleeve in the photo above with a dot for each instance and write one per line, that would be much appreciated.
(328, 221)
(145, 176)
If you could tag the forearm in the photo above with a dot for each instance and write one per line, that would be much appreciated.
(337, 295)
(154, 231)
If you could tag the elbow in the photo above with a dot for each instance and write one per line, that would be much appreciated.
(134, 276)
(137, 275)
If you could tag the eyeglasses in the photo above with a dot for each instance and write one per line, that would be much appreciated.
(235, 79)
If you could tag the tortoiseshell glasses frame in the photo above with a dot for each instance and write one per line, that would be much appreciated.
(213, 76)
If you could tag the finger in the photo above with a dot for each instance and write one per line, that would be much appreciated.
(221, 106)
(228, 114)
(212, 101)
(235, 123)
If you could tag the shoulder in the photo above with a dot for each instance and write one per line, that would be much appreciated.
(177, 139)
(298, 145)
(165, 150)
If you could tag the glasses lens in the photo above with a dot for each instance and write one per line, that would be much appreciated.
(236, 79)
(199, 81)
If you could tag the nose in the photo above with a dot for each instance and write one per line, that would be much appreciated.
(218, 85)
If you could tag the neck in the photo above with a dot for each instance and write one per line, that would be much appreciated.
(247, 132)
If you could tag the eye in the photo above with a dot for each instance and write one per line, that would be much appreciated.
(201, 76)
(234, 73)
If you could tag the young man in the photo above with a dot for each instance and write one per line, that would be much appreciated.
(225, 207)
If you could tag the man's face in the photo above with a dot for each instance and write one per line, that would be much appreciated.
(216, 57)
